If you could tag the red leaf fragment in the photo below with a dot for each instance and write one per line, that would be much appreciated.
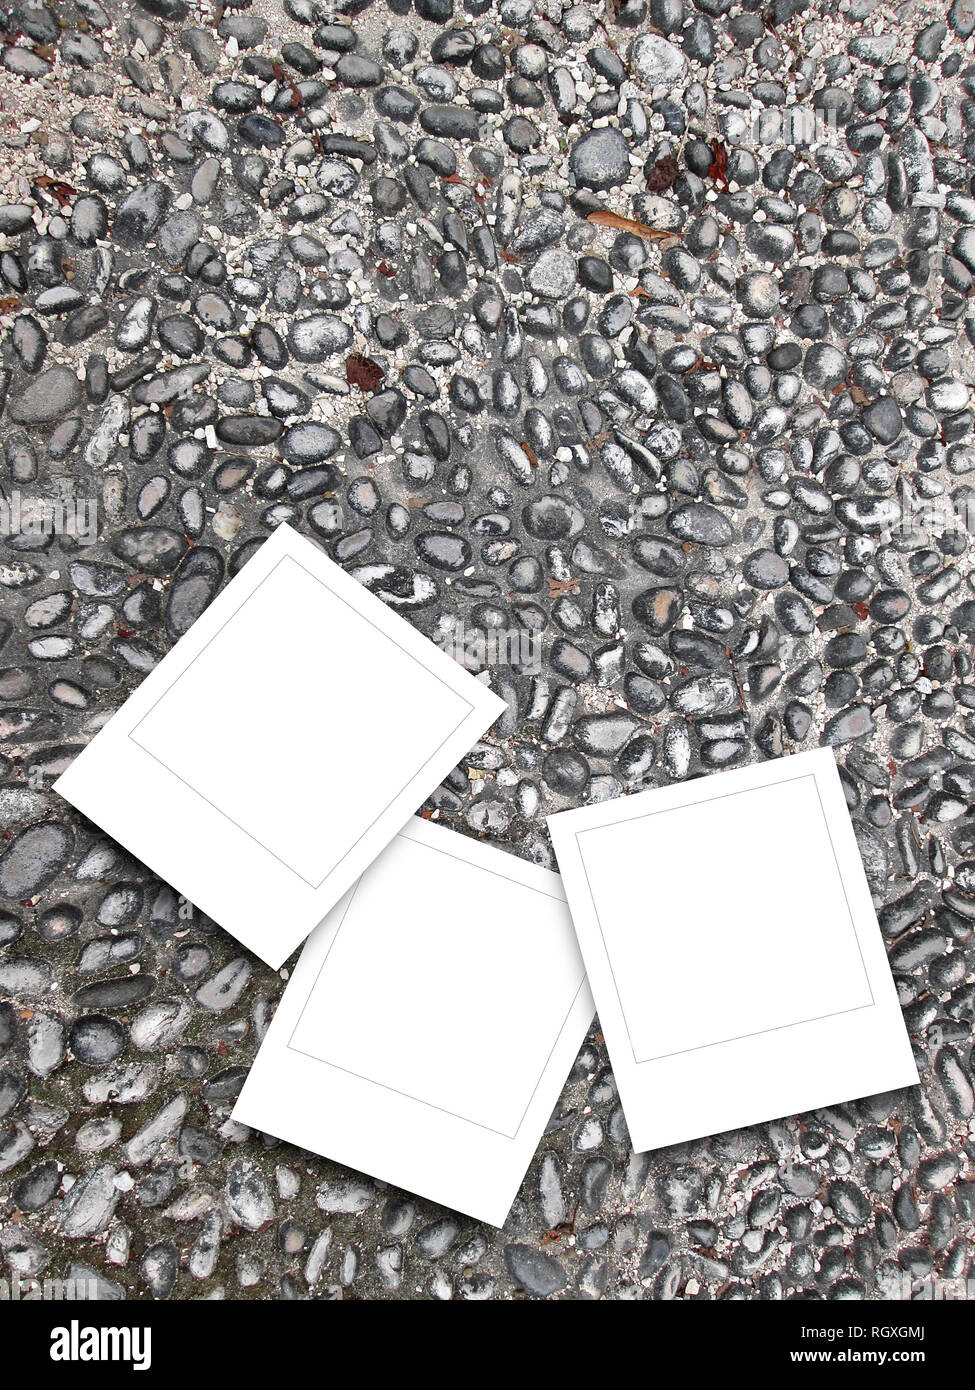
(363, 372)
(456, 178)
(719, 164)
(57, 188)
(663, 175)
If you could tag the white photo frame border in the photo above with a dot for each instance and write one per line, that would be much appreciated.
(360, 1122)
(191, 842)
(734, 1081)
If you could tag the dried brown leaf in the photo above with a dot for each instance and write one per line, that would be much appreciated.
(628, 224)
(556, 587)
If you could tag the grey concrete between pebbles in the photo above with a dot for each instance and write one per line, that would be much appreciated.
(723, 470)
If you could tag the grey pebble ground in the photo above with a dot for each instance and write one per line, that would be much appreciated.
(722, 470)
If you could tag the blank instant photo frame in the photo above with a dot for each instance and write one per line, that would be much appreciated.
(279, 746)
(732, 949)
(430, 1024)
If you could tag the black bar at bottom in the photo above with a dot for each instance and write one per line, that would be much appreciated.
(204, 1338)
